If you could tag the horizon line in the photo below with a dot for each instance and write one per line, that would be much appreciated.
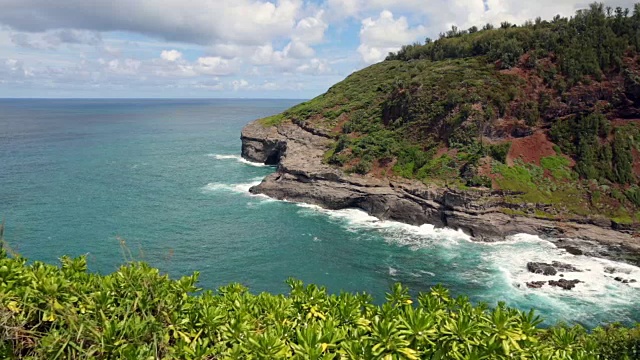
(150, 98)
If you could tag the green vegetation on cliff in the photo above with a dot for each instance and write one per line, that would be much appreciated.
(49, 312)
(548, 112)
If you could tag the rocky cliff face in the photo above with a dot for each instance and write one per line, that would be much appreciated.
(302, 176)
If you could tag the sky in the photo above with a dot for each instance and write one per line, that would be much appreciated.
(223, 48)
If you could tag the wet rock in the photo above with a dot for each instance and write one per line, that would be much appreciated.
(550, 269)
(564, 283)
(625, 281)
(573, 250)
(535, 284)
(613, 270)
(541, 268)
(565, 267)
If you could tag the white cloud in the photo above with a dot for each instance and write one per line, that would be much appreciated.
(298, 50)
(214, 65)
(53, 39)
(380, 36)
(239, 84)
(124, 67)
(171, 55)
(310, 30)
(314, 67)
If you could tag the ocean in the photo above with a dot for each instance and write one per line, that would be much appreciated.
(164, 179)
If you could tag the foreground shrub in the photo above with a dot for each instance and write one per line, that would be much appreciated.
(49, 312)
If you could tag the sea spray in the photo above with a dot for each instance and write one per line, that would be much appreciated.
(237, 158)
(502, 266)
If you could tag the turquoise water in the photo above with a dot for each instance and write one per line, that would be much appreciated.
(165, 176)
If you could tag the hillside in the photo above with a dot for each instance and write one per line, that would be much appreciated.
(546, 115)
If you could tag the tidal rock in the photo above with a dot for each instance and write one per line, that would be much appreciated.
(541, 268)
(550, 269)
(613, 270)
(565, 267)
(574, 250)
(535, 284)
(625, 281)
(564, 283)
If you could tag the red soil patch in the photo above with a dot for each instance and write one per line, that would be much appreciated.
(445, 150)
(342, 119)
(530, 149)
(382, 168)
(623, 122)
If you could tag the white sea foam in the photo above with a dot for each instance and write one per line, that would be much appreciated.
(242, 188)
(237, 158)
(512, 258)
(396, 232)
(392, 271)
(502, 266)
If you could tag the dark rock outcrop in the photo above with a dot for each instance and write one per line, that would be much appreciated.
(536, 284)
(541, 268)
(302, 176)
(564, 283)
(550, 269)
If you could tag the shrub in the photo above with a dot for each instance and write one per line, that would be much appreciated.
(633, 194)
(500, 151)
(54, 312)
(479, 180)
(363, 166)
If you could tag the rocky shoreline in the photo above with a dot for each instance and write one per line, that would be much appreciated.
(302, 176)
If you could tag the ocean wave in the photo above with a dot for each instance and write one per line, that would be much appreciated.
(403, 234)
(237, 158)
(242, 188)
(502, 266)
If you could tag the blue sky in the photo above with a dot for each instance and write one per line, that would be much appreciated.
(215, 48)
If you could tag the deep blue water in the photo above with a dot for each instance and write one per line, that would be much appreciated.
(165, 177)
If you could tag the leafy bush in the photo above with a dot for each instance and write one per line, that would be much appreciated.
(622, 158)
(363, 166)
(479, 180)
(500, 151)
(633, 194)
(51, 312)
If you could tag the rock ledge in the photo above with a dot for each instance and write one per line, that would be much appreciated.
(302, 176)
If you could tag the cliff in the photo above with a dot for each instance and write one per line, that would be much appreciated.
(302, 176)
(532, 129)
